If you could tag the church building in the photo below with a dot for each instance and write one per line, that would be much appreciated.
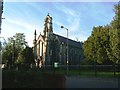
(49, 47)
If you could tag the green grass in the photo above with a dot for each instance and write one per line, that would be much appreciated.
(87, 73)
(107, 74)
(22, 79)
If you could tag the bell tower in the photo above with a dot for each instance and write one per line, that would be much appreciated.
(47, 31)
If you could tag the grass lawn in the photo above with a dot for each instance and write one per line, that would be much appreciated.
(88, 73)
(37, 78)
(31, 79)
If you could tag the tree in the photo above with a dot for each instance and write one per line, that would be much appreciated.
(14, 46)
(7, 54)
(25, 57)
(115, 35)
(98, 44)
(104, 43)
(19, 39)
(116, 19)
(87, 48)
(28, 55)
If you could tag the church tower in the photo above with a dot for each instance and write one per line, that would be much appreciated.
(48, 31)
(47, 26)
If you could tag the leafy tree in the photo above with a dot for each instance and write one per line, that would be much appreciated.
(103, 45)
(14, 46)
(28, 55)
(25, 57)
(19, 40)
(116, 19)
(115, 35)
(98, 44)
(7, 54)
(114, 51)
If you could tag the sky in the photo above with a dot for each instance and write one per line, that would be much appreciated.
(78, 17)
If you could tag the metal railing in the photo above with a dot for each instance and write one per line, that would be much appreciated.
(105, 70)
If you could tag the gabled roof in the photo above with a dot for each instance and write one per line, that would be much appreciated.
(70, 42)
(41, 37)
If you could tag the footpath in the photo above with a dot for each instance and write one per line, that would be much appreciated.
(92, 82)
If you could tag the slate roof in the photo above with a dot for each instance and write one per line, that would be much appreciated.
(70, 42)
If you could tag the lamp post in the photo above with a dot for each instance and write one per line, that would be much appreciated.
(67, 47)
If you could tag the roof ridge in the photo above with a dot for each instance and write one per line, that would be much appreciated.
(68, 38)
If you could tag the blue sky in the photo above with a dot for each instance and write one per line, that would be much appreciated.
(78, 17)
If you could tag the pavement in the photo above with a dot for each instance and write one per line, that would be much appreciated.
(91, 82)
(0, 78)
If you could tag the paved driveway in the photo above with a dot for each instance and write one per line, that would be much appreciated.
(91, 82)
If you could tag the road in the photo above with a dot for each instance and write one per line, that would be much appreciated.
(91, 82)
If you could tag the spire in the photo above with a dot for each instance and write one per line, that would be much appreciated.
(35, 36)
(48, 14)
(35, 32)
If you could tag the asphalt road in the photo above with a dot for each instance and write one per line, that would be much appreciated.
(91, 82)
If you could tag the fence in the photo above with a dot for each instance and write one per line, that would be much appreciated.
(83, 70)
(88, 70)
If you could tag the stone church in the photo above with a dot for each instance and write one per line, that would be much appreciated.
(49, 47)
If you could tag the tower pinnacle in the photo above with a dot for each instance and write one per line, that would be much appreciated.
(35, 32)
(48, 14)
(34, 41)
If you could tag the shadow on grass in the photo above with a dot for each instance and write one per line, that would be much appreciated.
(31, 79)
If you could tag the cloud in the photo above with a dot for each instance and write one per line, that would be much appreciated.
(62, 8)
(11, 27)
(21, 23)
(68, 11)
(74, 29)
(70, 16)
(79, 37)
(74, 25)
(77, 17)
(73, 22)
